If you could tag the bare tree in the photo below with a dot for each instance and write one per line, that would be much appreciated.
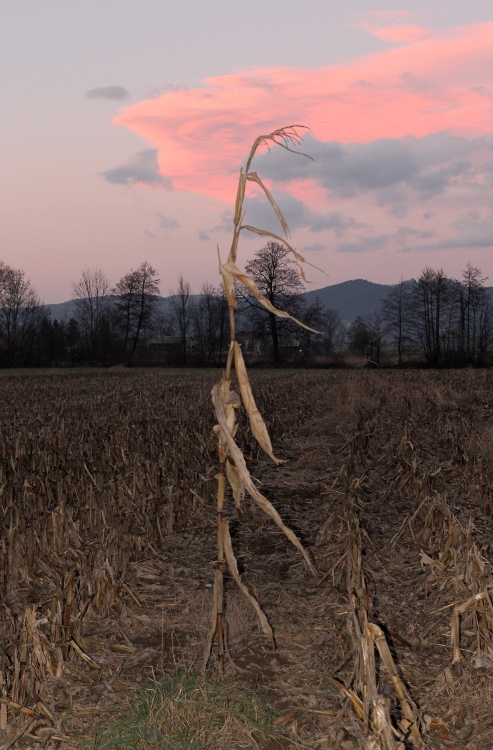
(333, 331)
(91, 299)
(359, 336)
(475, 316)
(396, 314)
(278, 279)
(136, 296)
(21, 314)
(312, 314)
(211, 323)
(429, 312)
(182, 313)
(376, 328)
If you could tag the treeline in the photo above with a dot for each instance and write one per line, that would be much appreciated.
(435, 320)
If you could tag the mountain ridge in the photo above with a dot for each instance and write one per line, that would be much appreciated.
(350, 299)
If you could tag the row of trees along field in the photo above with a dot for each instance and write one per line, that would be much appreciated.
(436, 320)
(440, 320)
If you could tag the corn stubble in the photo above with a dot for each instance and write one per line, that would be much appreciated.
(232, 464)
(94, 474)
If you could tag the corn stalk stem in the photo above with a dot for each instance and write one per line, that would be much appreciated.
(284, 137)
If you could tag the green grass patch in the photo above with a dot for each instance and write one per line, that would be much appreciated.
(185, 712)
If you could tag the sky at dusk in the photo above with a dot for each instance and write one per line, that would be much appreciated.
(125, 124)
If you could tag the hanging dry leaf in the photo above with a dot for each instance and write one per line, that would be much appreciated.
(237, 484)
(240, 196)
(256, 422)
(229, 285)
(253, 177)
(298, 257)
(240, 464)
(231, 271)
(233, 566)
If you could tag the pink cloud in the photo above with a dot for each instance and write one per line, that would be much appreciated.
(427, 85)
(403, 34)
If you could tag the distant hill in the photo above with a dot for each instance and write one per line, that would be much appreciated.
(62, 310)
(66, 310)
(352, 298)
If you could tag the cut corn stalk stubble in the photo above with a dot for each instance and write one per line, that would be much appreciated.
(232, 465)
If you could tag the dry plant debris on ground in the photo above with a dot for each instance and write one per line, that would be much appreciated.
(107, 487)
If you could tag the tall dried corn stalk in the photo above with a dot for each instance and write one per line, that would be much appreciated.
(232, 466)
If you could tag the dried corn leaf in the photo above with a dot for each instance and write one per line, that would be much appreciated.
(427, 560)
(237, 484)
(231, 271)
(353, 697)
(298, 257)
(257, 424)
(240, 464)
(23, 709)
(232, 564)
(253, 177)
(229, 285)
(240, 195)
(409, 710)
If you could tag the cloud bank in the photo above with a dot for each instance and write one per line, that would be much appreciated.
(440, 83)
(406, 133)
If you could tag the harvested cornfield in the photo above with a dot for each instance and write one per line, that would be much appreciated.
(108, 494)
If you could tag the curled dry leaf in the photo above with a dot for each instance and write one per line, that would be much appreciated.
(233, 566)
(240, 464)
(285, 137)
(257, 423)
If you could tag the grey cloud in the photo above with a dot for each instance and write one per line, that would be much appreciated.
(396, 198)
(421, 85)
(108, 92)
(164, 89)
(317, 247)
(167, 223)
(472, 232)
(365, 244)
(150, 234)
(335, 221)
(142, 169)
(362, 84)
(434, 181)
(401, 240)
(427, 165)
(297, 214)
(203, 236)
(483, 91)
(406, 237)
(485, 168)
